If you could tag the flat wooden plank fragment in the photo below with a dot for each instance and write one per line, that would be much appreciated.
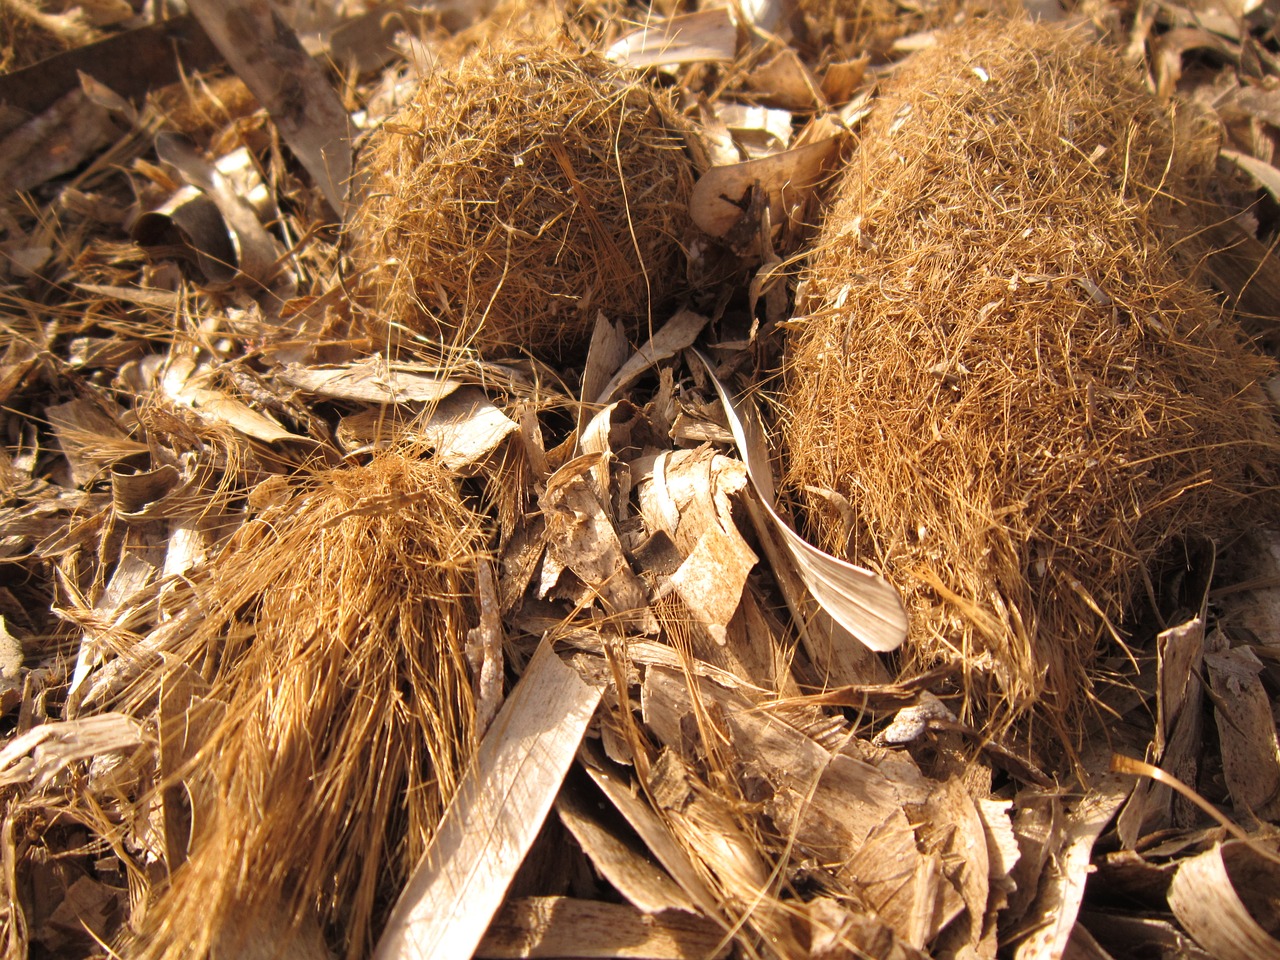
(448, 903)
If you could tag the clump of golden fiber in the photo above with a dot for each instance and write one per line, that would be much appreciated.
(521, 192)
(337, 620)
(1003, 366)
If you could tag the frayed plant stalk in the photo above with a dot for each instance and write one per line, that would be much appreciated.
(335, 631)
(1003, 367)
(521, 192)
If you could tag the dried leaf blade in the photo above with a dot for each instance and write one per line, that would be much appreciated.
(1204, 898)
(450, 900)
(861, 601)
(267, 56)
(786, 177)
(708, 35)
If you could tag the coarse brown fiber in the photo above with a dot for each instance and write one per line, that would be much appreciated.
(1001, 363)
(523, 190)
(851, 28)
(335, 625)
(28, 34)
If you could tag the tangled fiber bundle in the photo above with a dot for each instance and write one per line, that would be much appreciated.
(518, 194)
(1001, 364)
(339, 618)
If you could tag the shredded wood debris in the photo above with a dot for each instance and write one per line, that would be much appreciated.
(322, 636)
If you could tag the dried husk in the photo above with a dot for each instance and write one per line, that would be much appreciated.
(523, 190)
(1003, 366)
(335, 623)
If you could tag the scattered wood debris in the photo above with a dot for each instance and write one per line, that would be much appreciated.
(323, 637)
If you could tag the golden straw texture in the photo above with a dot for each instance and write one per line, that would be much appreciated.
(1002, 365)
(520, 193)
(336, 623)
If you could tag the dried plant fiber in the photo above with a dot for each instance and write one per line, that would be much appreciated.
(29, 34)
(337, 618)
(854, 27)
(1001, 364)
(522, 191)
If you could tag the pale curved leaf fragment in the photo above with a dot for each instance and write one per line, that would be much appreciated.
(689, 497)
(454, 892)
(184, 383)
(581, 537)
(761, 131)
(785, 81)
(708, 35)
(371, 380)
(1206, 900)
(266, 54)
(862, 602)
(465, 427)
(1262, 172)
(228, 184)
(676, 334)
(1067, 868)
(43, 752)
(787, 179)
